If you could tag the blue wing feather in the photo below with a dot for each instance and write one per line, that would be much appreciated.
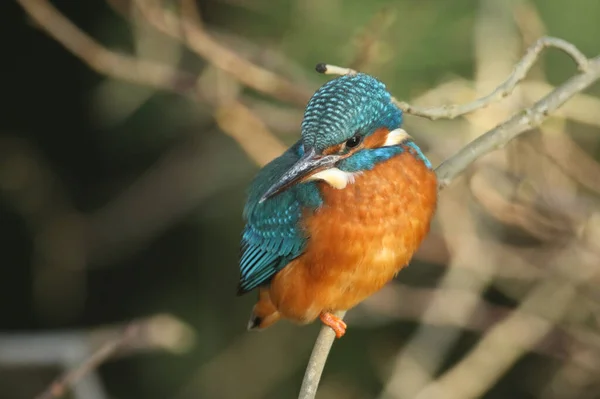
(273, 235)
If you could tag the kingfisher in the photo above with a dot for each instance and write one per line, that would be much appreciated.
(340, 213)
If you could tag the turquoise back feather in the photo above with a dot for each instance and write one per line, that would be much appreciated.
(273, 236)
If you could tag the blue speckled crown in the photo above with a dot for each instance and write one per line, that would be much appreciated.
(345, 106)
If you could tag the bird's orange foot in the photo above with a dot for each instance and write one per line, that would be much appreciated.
(336, 324)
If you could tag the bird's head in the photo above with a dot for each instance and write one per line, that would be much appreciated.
(346, 124)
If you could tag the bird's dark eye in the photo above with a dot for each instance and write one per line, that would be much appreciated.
(353, 141)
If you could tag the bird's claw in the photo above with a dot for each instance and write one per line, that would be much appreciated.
(337, 325)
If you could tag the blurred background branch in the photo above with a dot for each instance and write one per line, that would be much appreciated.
(82, 352)
(121, 192)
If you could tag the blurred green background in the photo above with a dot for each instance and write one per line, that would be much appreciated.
(118, 201)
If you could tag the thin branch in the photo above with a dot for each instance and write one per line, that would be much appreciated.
(369, 38)
(316, 363)
(159, 332)
(236, 120)
(99, 58)
(329, 69)
(60, 386)
(523, 121)
(71, 349)
(571, 381)
(505, 89)
(407, 303)
(100, 233)
(155, 74)
(161, 76)
(505, 343)
(583, 108)
(562, 149)
(413, 365)
(493, 139)
(223, 58)
(509, 339)
(529, 22)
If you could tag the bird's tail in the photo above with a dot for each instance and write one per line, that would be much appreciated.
(264, 312)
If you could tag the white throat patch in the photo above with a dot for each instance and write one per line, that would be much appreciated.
(334, 177)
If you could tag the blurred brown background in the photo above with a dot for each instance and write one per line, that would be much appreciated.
(121, 200)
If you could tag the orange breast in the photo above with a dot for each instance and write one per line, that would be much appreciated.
(359, 239)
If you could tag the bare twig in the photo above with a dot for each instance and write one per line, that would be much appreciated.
(498, 194)
(505, 89)
(233, 117)
(317, 360)
(160, 332)
(529, 22)
(571, 381)
(369, 38)
(493, 139)
(403, 302)
(236, 120)
(60, 386)
(518, 333)
(72, 348)
(161, 76)
(99, 58)
(205, 46)
(563, 150)
(129, 68)
(523, 121)
(583, 108)
(523, 331)
(414, 364)
(329, 69)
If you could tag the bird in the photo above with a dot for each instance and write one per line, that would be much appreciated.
(336, 216)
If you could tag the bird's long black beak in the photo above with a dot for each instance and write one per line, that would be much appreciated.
(310, 162)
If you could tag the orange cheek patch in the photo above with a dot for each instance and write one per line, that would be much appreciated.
(377, 139)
